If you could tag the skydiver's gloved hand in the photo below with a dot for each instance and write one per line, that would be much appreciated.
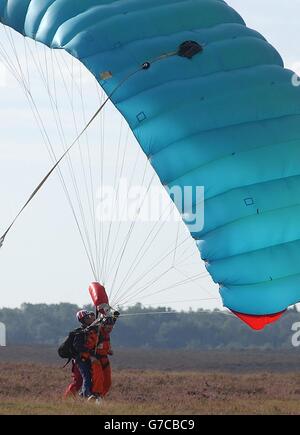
(116, 314)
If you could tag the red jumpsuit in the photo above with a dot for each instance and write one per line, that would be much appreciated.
(76, 384)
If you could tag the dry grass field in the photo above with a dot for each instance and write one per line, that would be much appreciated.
(245, 386)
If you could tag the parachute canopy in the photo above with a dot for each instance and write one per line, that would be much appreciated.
(228, 119)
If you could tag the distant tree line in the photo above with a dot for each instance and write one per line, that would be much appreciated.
(146, 328)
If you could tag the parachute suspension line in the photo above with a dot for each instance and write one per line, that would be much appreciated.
(187, 280)
(160, 304)
(142, 252)
(93, 187)
(72, 171)
(117, 263)
(130, 231)
(164, 289)
(153, 313)
(138, 280)
(179, 284)
(184, 253)
(60, 130)
(14, 50)
(175, 250)
(136, 292)
(92, 183)
(74, 179)
(110, 257)
(27, 92)
(125, 152)
(47, 176)
(174, 258)
(149, 314)
(101, 156)
(119, 257)
(106, 248)
(204, 275)
(135, 264)
(90, 201)
(119, 225)
(184, 261)
(133, 224)
(20, 78)
(140, 290)
(88, 182)
(27, 66)
(23, 84)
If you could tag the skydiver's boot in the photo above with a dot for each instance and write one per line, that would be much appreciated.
(95, 398)
(92, 398)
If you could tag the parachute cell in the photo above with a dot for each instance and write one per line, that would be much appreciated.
(228, 119)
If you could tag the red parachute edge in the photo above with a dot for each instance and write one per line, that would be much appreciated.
(258, 322)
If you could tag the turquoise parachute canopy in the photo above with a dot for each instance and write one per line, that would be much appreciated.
(228, 119)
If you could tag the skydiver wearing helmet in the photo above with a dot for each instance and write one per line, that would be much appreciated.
(83, 345)
(91, 370)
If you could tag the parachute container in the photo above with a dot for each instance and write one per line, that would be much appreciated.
(98, 295)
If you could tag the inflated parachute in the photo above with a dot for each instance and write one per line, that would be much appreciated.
(226, 117)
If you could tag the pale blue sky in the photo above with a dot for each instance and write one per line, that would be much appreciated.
(43, 259)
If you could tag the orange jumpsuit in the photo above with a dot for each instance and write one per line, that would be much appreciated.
(101, 370)
(98, 341)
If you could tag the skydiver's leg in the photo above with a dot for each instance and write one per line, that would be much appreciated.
(97, 378)
(107, 376)
(85, 371)
(76, 383)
